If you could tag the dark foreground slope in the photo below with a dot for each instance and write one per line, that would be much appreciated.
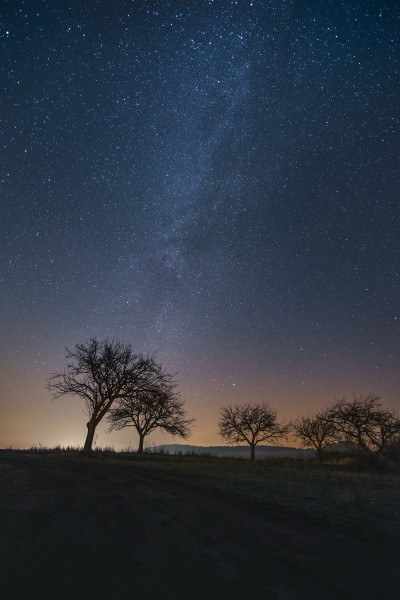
(171, 528)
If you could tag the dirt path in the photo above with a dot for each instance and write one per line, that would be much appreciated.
(73, 529)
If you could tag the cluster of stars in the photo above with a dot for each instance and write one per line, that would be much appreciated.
(215, 180)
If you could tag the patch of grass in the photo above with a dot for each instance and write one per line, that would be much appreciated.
(164, 524)
(41, 448)
(333, 493)
(338, 492)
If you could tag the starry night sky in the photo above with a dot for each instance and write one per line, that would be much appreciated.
(217, 181)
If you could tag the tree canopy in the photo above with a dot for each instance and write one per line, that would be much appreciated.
(314, 432)
(251, 423)
(100, 372)
(157, 407)
(362, 421)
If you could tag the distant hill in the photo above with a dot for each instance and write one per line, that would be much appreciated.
(234, 451)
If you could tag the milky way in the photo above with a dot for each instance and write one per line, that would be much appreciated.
(214, 181)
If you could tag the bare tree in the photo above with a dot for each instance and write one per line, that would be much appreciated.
(158, 407)
(314, 432)
(100, 372)
(362, 421)
(251, 423)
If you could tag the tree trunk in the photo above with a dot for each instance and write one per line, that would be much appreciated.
(91, 427)
(252, 449)
(141, 443)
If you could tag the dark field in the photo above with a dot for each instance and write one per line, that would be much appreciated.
(160, 527)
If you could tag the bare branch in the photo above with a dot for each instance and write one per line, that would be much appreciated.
(363, 422)
(100, 372)
(157, 406)
(251, 423)
(314, 432)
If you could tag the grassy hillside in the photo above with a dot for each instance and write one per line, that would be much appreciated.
(195, 527)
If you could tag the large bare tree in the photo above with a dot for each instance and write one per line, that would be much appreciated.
(100, 372)
(314, 432)
(157, 407)
(251, 423)
(362, 421)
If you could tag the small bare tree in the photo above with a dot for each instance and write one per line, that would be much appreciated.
(362, 421)
(158, 407)
(314, 432)
(251, 423)
(100, 372)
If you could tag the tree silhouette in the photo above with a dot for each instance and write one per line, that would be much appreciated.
(362, 421)
(314, 432)
(251, 423)
(158, 407)
(100, 372)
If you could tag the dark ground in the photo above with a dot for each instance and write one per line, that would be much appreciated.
(74, 527)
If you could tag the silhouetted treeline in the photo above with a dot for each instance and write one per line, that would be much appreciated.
(133, 390)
